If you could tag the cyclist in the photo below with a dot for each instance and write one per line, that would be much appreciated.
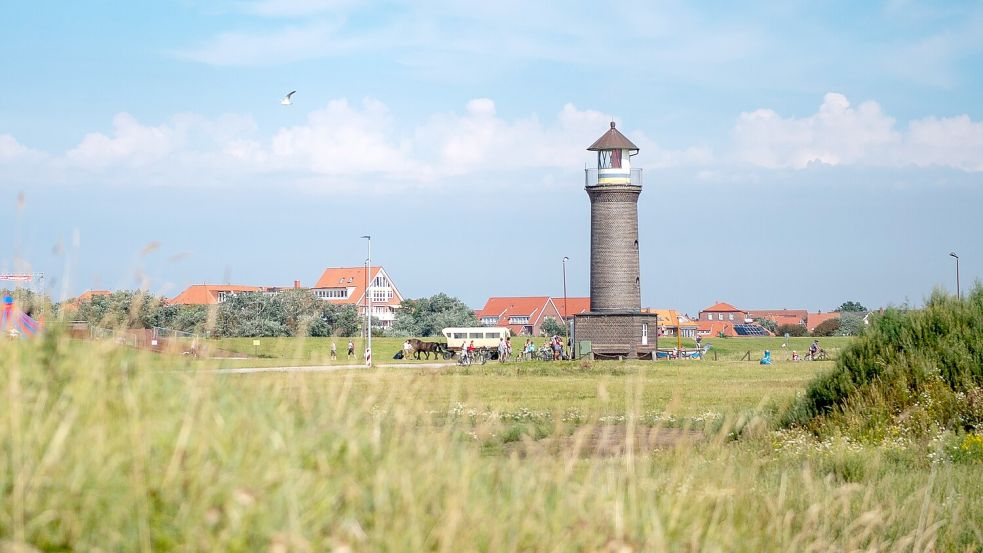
(813, 350)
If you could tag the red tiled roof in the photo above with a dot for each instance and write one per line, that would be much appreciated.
(713, 328)
(354, 279)
(534, 307)
(575, 305)
(816, 318)
(781, 316)
(89, 294)
(725, 307)
(207, 294)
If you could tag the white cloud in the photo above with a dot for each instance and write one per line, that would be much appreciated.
(12, 151)
(839, 134)
(362, 145)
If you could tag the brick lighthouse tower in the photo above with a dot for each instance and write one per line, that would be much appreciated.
(615, 324)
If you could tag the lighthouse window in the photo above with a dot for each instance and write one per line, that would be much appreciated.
(616, 159)
(604, 159)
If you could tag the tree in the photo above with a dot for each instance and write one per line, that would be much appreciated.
(125, 309)
(851, 307)
(251, 314)
(791, 330)
(767, 323)
(851, 324)
(552, 327)
(827, 327)
(429, 316)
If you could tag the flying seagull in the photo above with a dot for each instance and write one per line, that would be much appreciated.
(286, 99)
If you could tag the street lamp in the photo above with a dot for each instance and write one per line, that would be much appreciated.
(368, 300)
(566, 312)
(958, 295)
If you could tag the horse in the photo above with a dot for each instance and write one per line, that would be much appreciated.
(426, 348)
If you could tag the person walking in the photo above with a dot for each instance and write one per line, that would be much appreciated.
(334, 351)
(351, 350)
(508, 348)
(501, 350)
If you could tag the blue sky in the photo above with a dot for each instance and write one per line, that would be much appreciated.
(796, 154)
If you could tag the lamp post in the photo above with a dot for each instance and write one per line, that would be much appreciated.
(368, 300)
(566, 313)
(958, 295)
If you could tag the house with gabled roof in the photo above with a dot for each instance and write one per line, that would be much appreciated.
(723, 319)
(781, 316)
(523, 315)
(211, 294)
(348, 286)
(570, 307)
(672, 322)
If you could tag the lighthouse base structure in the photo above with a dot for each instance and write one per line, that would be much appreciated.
(617, 334)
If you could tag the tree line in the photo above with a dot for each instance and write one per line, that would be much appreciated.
(254, 314)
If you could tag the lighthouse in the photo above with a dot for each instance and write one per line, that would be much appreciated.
(615, 324)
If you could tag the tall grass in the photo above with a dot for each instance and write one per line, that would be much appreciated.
(921, 369)
(100, 453)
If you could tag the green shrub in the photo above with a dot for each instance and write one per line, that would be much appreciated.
(791, 330)
(827, 327)
(923, 367)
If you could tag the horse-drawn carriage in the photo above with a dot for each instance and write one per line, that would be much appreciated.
(485, 339)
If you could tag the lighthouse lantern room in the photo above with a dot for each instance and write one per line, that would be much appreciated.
(614, 152)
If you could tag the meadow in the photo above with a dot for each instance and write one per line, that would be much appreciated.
(106, 448)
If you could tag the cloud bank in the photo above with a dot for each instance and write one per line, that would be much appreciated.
(355, 145)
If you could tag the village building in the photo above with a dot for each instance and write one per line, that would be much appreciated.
(348, 286)
(571, 307)
(211, 294)
(781, 316)
(815, 319)
(723, 319)
(522, 315)
(672, 323)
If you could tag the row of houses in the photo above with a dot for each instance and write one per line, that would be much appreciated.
(525, 316)
(725, 319)
(336, 285)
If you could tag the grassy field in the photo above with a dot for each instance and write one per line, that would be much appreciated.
(116, 450)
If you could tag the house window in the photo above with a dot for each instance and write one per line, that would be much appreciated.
(382, 295)
(222, 296)
(604, 159)
(331, 293)
(518, 320)
(489, 321)
(731, 316)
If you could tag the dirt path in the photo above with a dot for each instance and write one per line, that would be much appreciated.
(328, 368)
(606, 441)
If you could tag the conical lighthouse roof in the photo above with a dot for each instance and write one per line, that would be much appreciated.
(612, 140)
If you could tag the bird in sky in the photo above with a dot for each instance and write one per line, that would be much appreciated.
(286, 99)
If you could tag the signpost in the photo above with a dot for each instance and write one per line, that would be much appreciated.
(256, 347)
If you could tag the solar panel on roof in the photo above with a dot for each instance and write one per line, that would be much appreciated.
(750, 330)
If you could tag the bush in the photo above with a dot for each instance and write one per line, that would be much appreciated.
(850, 325)
(914, 369)
(791, 330)
(827, 327)
(552, 327)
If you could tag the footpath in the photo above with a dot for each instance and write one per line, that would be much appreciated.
(328, 368)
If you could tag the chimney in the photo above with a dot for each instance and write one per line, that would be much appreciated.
(296, 284)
